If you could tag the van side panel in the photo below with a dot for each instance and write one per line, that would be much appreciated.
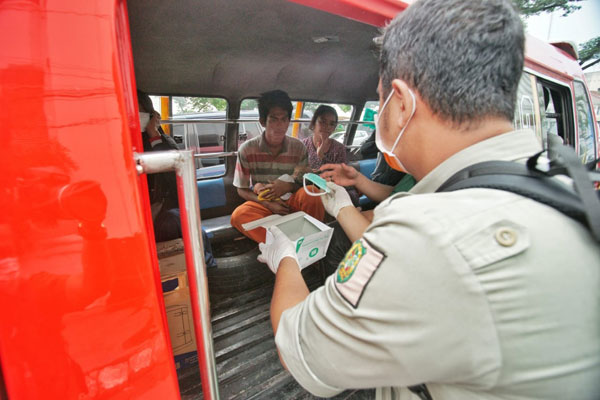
(80, 313)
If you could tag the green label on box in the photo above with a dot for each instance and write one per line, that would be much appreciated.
(299, 244)
(313, 252)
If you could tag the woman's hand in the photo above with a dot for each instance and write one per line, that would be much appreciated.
(340, 174)
(323, 148)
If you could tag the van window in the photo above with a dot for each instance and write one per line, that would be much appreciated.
(527, 105)
(556, 111)
(201, 137)
(364, 131)
(585, 123)
(248, 129)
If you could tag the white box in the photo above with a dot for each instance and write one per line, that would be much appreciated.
(310, 236)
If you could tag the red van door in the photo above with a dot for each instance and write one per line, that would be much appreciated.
(79, 302)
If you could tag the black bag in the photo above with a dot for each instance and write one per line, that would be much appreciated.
(582, 202)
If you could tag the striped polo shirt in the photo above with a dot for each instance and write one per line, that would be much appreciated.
(256, 163)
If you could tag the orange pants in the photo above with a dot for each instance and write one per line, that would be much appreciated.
(251, 211)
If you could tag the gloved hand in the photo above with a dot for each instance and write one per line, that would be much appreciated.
(337, 199)
(276, 248)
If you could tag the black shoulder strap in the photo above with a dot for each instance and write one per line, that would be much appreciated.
(581, 203)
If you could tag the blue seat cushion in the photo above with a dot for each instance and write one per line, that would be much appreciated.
(211, 193)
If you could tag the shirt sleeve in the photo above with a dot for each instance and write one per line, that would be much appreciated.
(390, 316)
(241, 177)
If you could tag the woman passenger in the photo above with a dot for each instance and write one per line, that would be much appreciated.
(321, 148)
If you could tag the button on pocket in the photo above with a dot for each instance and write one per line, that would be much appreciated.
(506, 236)
(492, 243)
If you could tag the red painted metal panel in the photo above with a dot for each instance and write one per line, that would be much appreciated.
(555, 62)
(80, 314)
(372, 12)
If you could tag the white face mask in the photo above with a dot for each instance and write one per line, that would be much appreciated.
(144, 119)
(389, 155)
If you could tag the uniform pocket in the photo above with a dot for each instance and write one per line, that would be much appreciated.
(500, 240)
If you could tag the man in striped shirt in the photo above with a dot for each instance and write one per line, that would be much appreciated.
(269, 169)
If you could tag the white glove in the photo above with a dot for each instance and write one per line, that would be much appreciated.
(337, 199)
(277, 247)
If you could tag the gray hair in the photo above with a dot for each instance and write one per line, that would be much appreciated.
(464, 57)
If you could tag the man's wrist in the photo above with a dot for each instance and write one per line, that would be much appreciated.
(345, 211)
(288, 262)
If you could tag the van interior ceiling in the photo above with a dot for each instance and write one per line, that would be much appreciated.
(190, 48)
(238, 49)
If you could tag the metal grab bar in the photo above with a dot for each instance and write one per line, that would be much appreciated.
(235, 121)
(182, 162)
(213, 155)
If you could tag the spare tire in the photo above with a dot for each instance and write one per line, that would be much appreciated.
(238, 273)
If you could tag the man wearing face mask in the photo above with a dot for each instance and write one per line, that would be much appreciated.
(474, 293)
(163, 186)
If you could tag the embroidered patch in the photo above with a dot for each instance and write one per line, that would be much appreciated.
(349, 263)
(356, 270)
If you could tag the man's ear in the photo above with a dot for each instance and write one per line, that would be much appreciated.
(263, 122)
(404, 101)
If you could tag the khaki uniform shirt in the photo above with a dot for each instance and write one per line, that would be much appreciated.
(479, 293)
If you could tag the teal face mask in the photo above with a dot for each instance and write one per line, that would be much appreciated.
(318, 181)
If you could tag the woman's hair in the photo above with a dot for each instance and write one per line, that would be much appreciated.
(322, 110)
(145, 102)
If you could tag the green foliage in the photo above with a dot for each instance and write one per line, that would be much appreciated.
(345, 107)
(535, 7)
(589, 53)
(190, 105)
(249, 104)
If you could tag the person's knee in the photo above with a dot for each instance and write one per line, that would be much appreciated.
(236, 217)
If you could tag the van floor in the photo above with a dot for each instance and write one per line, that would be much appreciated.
(247, 363)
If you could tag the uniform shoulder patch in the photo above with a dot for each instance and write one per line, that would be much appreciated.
(356, 269)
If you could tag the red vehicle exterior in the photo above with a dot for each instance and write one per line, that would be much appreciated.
(79, 287)
(82, 315)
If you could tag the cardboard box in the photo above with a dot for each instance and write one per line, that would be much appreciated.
(310, 236)
(177, 303)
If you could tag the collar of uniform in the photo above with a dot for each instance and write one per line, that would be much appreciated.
(512, 146)
(264, 147)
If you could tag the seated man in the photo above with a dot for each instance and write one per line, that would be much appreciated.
(269, 167)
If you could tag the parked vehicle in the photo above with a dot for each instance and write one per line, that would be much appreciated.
(81, 293)
(359, 137)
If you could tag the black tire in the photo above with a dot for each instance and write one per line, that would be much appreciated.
(238, 273)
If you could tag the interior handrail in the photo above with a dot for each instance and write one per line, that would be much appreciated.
(214, 155)
(235, 121)
(182, 162)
